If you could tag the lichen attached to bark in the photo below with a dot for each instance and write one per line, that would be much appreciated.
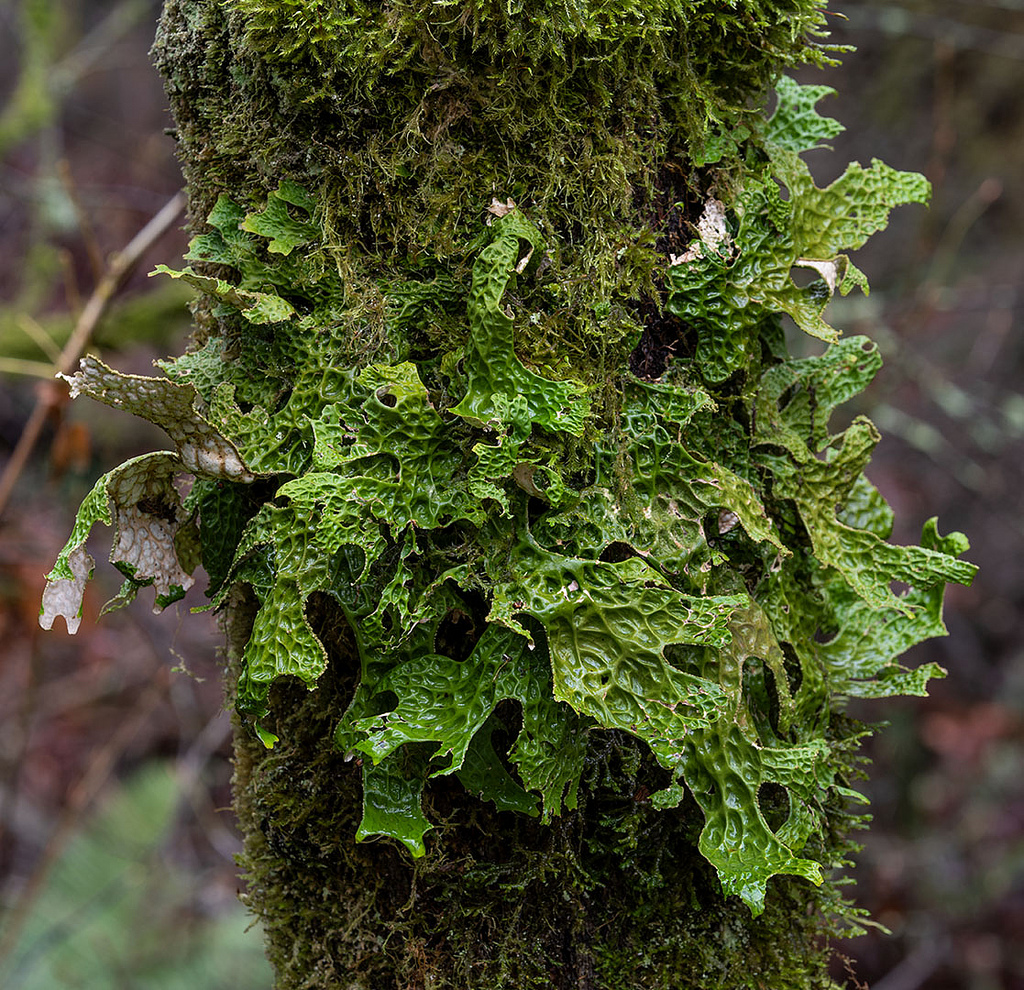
(525, 489)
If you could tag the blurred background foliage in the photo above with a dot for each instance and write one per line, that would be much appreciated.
(116, 848)
(938, 86)
(116, 852)
(116, 910)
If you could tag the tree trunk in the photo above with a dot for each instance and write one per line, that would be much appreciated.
(611, 895)
(389, 142)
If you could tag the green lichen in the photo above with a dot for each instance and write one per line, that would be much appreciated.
(546, 576)
(636, 565)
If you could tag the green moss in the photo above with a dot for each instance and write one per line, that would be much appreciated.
(409, 118)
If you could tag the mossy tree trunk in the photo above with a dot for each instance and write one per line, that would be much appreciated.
(611, 895)
(502, 479)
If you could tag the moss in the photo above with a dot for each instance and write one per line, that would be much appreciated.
(588, 116)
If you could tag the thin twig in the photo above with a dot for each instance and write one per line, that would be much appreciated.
(39, 336)
(72, 297)
(118, 269)
(97, 44)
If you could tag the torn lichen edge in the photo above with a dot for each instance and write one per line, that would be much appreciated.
(155, 539)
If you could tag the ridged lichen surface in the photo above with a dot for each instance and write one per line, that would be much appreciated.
(548, 579)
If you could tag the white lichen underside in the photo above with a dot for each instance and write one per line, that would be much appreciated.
(203, 449)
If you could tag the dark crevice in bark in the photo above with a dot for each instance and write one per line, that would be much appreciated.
(671, 213)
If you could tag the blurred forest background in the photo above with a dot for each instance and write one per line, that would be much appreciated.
(116, 847)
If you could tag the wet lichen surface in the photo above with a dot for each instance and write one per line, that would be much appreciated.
(547, 578)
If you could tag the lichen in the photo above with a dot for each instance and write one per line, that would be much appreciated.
(155, 539)
(528, 524)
